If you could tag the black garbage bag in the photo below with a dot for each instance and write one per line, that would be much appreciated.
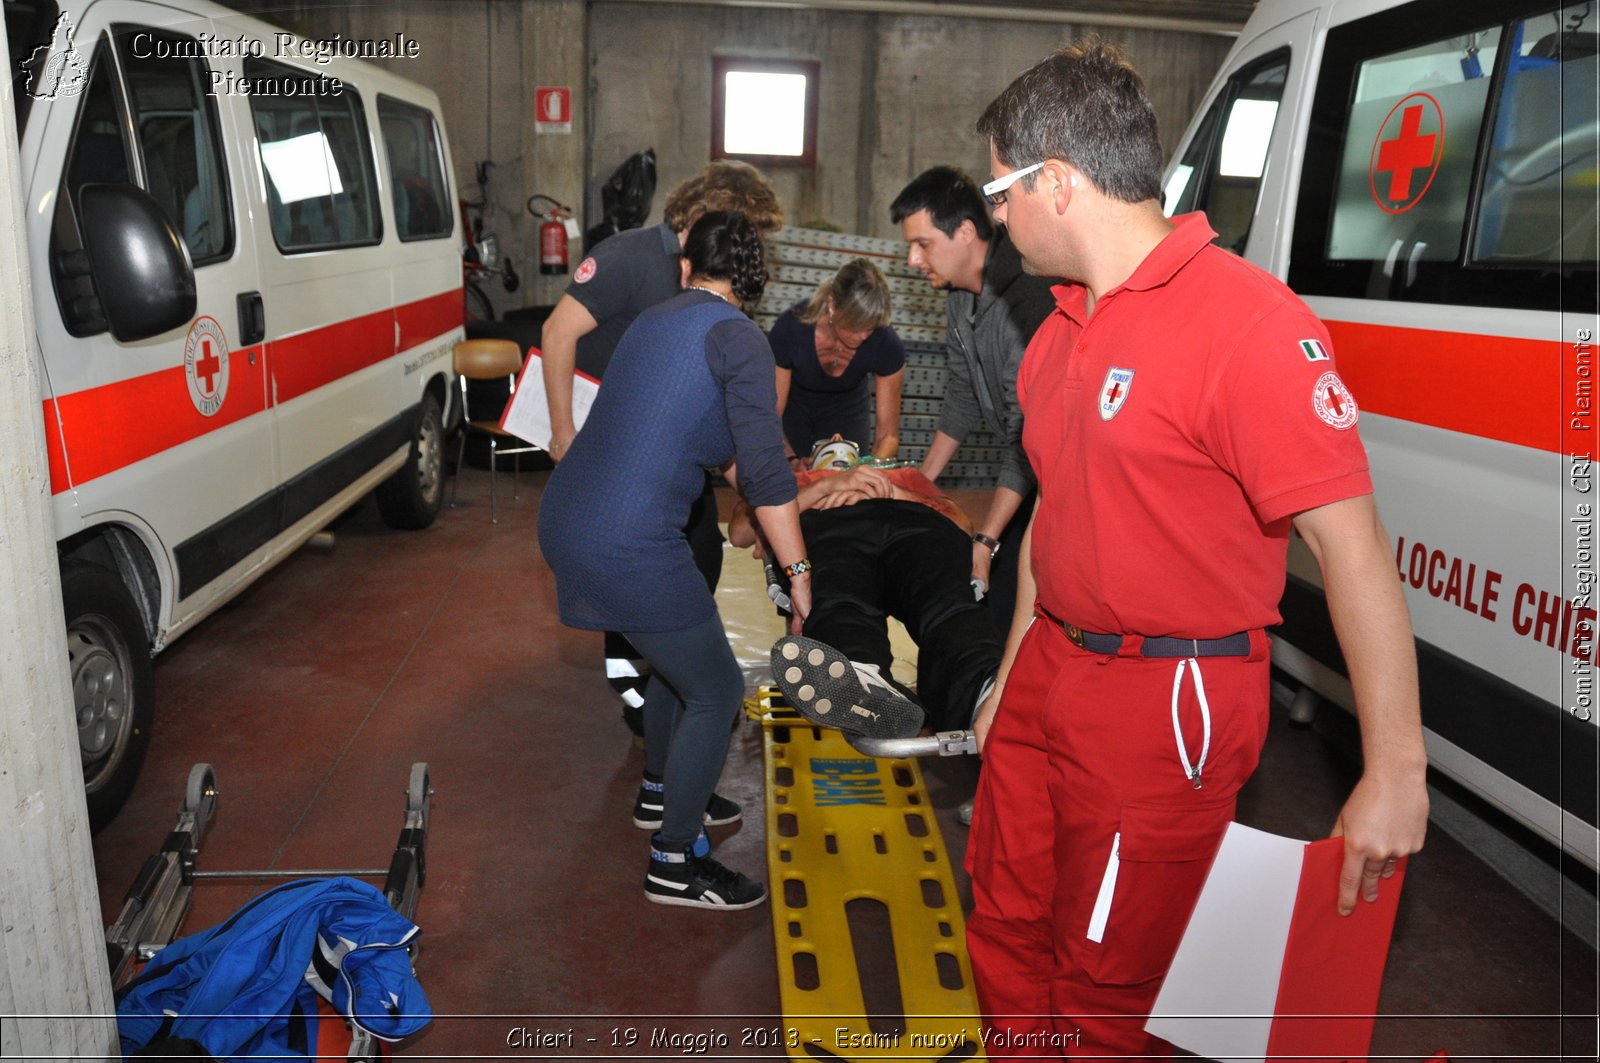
(625, 197)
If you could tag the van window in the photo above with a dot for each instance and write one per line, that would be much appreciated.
(1409, 140)
(416, 170)
(1221, 170)
(1450, 158)
(1539, 202)
(98, 153)
(318, 166)
(179, 139)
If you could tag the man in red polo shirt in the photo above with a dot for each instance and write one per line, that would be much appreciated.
(1182, 412)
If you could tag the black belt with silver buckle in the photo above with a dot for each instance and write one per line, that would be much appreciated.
(1235, 645)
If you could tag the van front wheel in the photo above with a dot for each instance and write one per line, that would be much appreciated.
(108, 654)
(411, 498)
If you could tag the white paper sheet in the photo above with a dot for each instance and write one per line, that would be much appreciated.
(1219, 996)
(527, 414)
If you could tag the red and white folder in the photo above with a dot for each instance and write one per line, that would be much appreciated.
(527, 412)
(1268, 968)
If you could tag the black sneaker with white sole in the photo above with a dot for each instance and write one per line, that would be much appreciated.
(830, 690)
(647, 807)
(682, 878)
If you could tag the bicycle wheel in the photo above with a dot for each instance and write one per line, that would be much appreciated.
(479, 308)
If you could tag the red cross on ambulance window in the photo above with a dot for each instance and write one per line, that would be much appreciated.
(1406, 153)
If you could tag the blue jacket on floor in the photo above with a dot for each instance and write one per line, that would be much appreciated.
(249, 986)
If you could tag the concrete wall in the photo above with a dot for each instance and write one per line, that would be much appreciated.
(900, 93)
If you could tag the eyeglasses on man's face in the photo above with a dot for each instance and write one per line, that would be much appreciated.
(995, 191)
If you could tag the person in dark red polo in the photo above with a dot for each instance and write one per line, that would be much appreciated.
(1182, 411)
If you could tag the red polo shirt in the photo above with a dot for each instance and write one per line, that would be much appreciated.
(1175, 432)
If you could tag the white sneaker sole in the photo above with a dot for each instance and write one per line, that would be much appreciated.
(655, 824)
(695, 902)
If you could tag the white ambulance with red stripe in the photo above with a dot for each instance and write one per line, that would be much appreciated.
(247, 285)
(1426, 176)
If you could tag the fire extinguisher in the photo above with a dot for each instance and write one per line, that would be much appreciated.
(552, 234)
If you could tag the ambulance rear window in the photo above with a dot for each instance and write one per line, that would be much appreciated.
(416, 170)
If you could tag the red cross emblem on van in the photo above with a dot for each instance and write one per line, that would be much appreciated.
(1407, 153)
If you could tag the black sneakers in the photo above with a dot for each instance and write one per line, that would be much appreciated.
(648, 805)
(721, 811)
(680, 877)
(830, 690)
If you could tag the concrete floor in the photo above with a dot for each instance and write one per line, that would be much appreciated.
(313, 694)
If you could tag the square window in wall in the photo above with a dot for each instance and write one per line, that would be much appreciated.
(764, 110)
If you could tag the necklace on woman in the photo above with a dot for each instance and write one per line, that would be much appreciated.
(698, 288)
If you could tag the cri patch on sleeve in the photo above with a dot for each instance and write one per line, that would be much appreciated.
(1333, 402)
(585, 271)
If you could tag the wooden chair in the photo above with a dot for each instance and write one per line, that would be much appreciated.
(489, 360)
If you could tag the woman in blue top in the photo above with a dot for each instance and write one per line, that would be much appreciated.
(689, 387)
(825, 350)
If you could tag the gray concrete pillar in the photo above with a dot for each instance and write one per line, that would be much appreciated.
(556, 53)
(55, 990)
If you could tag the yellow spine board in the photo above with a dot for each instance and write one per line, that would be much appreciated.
(842, 827)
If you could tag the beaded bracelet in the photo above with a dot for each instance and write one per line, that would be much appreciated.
(802, 565)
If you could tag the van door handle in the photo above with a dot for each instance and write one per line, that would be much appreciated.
(252, 320)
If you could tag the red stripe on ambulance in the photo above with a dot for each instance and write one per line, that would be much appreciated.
(114, 425)
(119, 424)
(426, 318)
(301, 364)
(1496, 387)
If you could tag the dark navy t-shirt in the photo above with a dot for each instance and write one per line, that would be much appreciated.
(821, 404)
(626, 273)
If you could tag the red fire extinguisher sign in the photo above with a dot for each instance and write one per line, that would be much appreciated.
(552, 109)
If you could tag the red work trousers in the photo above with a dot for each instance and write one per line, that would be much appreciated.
(1090, 840)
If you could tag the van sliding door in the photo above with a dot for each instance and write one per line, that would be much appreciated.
(326, 285)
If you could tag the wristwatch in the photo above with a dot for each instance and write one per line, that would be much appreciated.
(992, 543)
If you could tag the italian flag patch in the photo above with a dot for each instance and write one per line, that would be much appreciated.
(1313, 351)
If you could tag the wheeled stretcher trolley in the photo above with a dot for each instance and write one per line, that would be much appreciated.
(156, 904)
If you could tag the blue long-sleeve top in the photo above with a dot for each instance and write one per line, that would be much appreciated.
(690, 386)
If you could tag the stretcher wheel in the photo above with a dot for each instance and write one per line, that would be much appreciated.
(419, 790)
(202, 789)
(199, 801)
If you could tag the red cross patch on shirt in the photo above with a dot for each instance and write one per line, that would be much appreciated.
(1114, 392)
(1333, 402)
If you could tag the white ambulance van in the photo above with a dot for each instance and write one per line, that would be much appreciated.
(247, 284)
(1425, 174)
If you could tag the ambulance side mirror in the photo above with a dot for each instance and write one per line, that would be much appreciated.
(139, 264)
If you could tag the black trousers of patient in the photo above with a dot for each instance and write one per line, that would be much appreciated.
(881, 558)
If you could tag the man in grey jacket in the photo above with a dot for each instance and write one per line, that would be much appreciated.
(992, 310)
